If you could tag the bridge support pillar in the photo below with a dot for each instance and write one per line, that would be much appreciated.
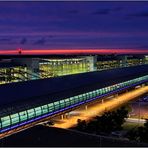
(62, 117)
(67, 115)
(86, 107)
(102, 101)
(116, 95)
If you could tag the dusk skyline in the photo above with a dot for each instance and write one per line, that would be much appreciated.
(74, 25)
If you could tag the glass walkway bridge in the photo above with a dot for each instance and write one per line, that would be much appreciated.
(13, 117)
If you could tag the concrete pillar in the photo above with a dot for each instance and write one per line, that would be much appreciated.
(66, 115)
(116, 95)
(62, 117)
(85, 107)
(102, 101)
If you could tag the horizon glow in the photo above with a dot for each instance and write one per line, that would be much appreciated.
(70, 51)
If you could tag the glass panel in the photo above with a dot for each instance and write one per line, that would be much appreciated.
(38, 111)
(51, 107)
(5, 121)
(84, 96)
(76, 99)
(72, 101)
(23, 115)
(14, 118)
(44, 109)
(103, 91)
(62, 104)
(67, 102)
(31, 113)
(56, 105)
(94, 93)
(98, 92)
(90, 94)
(87, 95)
(80, 98)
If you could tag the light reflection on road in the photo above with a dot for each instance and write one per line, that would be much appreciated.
(99, 108)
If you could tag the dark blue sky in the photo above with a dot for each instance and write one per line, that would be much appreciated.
(74, 25)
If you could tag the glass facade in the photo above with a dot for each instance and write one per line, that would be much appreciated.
(111, 64)
(63, 104)
(60, 67)
(48, 68)
(13, 74)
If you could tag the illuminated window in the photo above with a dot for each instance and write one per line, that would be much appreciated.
(76, 99)
(94, 93)
(31, 113)
(56, 105)
(67, 102)
(23, 115)
(62, 103)
(84, 96)
(5, 121)
(51, 107)
(44, 109)
(80, 98)
(14, 118)
(38, 111)
(90, 94)
(87, 95)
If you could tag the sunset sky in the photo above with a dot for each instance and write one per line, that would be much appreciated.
(74, 25)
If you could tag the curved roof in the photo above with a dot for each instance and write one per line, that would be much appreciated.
(65, 86)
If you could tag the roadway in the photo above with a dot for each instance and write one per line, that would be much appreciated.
(135, 120)
(99, 108)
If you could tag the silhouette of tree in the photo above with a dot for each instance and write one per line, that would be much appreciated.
(81, 125)
(119, 117)
(132, 134)
(146, 124)
(92, 126)
(108, 122)
(143, 132)
(139, 134)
